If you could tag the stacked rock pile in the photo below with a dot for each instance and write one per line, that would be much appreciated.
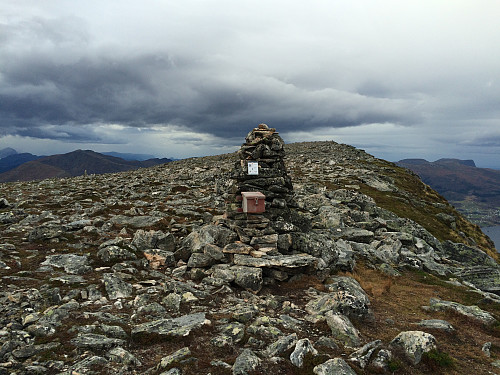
(261, 242)
(265, 147)
(260, 232)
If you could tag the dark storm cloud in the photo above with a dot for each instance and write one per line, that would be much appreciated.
(148, 90)
(405, 75)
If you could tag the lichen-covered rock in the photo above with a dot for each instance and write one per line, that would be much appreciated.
(342, 329)
(116, 287)
(229, 334)
(72, 263)
(200, 260)
(208, 234)
(94, 341)
(414, 344)
(362, 356)
(145, 240)
(472, 312)
(381, 360)
(335, 366)
(346, 297)
(175, 357)
(249, 278)
(114, 254)
(302, 348)
(180, 326)
(246, 362)
(280, 346)
(120, 355)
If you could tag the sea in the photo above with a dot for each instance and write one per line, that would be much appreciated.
(494, 234)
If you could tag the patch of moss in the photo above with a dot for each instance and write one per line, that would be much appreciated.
(437, 360)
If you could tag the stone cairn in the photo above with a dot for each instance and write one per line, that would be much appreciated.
(264, 146)
(254, 248)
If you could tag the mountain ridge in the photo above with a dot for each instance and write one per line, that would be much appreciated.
(72, 164)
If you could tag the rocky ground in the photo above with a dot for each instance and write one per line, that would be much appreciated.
(137, 273)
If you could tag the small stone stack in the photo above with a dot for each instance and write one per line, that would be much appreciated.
(264, 146)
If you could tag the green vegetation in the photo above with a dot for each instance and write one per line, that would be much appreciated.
(436, 358)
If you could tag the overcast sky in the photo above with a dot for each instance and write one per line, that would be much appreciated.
(400, 79)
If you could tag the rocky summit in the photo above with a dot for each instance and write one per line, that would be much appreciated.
(350, 265)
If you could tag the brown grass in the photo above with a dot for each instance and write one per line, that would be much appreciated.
(397, 305)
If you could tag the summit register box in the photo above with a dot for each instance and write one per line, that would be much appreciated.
(254, 202)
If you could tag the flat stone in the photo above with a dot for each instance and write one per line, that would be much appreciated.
(175, 357)
(94, 341)
(135, 221)
(180, 326)
(287, 261)
(74, 264)
(442, 325)
(354, 234)
(237, 248)
(472, 312)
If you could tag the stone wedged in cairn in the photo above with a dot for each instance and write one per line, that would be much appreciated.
(263, 239)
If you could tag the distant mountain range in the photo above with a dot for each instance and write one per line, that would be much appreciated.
(471, 189)
(27, 167)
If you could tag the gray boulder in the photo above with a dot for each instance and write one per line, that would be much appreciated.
(335, 366)
(302, 347)
(180, 326)
(153, 240)
(208, 234)
(246, 362)
(114, 254)
(472, 312)
(414, 344)
(249, 278)
(346, 297)
(280, 346)
(94, 342)
(116, 287)
(74, 264)
(342, 329)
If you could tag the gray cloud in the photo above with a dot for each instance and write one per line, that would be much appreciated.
(68, 69)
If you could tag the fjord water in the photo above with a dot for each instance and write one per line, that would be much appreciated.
(494, 234)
